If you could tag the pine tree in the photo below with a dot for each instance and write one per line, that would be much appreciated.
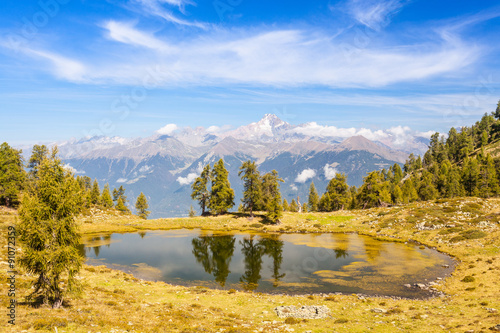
(488, 180)
(338, 192)
(397, 195)
(200, 189)
(313, 198)
(38, 154)
(120, 193)
(409, 192)
(252, 192)
(453, 187)
(305, 207)
(192, 212)
(48, 231)
(286, 207)
(293, 206)
(12, 175)
(222, 195)
(271, 195)
(106, 200)
(141, 205)
(427, 190)
(121, 207)
(470, 176)
(325, 203)
(94, 194)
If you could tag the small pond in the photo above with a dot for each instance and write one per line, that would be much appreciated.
(271, 263)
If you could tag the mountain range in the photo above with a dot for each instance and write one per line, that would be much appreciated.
(164, 165)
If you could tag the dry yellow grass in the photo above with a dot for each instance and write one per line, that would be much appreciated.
(113, 301)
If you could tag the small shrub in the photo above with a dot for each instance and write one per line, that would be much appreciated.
(231, 291)
(468, 278)
(341, 321)
(49, 323)
(330, 298)
(119, 291)
(291, 321)
(317, 225)
(255, 225)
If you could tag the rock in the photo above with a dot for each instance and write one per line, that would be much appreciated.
(420, 285)
(495, 328)
(445, 266)
(304, 312)
(377, 310)
(491, 310)
(407, 285)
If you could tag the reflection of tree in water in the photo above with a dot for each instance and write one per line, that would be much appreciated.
(142, 234)
(340, 253)
(83, 249)
(273, 247)
(214, 253)
(253, 252)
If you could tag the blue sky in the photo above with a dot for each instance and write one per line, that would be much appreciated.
(75, 68)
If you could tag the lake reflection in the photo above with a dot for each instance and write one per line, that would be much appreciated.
(288, 263)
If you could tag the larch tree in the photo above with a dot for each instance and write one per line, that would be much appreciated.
(338, 193)
(48, 232)
(121, 206)
(106, 200)
(200, 189)
(272, 195)
(12, 175)
(38, 154)
(222, 195)
(252, 192)
(286, 207)
(293, 206)
(94, 195)
(141, 205)
(313, 199)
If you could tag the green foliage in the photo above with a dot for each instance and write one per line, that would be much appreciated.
(94, 195)
(375, 191)
(12, 175)
(294, 208)
(38, 154)
(121, 207)
(286, 207)
(272, 196)
(106, 200)
(305, 207)
(252, 192)
(141, 205)
(222, 195)
(313, 200)
(48, 232)
(192, 212)
(200, 189)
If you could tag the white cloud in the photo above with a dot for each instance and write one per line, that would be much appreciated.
(329, 171)
(68, 167)
(294, 187)
(156, 8)
(167, 129)
(190, 178)
(305, 175)
(374, 14)
(121, 180)
(426, 135)
(315, 130)
(145, 168)
(125, 33)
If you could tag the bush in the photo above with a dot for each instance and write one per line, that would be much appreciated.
(291, 321)
(341, 321)
(468, 278)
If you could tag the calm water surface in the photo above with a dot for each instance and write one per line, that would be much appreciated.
(288, 263)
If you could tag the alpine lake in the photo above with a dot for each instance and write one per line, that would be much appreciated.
(272, 263)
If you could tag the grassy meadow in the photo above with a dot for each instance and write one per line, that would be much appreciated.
(112, 301)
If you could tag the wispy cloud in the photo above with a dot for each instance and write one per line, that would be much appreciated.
(156, 8)
(374, 14)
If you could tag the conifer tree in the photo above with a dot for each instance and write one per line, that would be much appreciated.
(397, 195)
(252, 192)
(293, 206)
(106, 200)
(338, 192)
(470, 175)
(313, 199)
(120, 206)
(325, 203)
(48, 231)
(305, 207)
(286, 207)
(192, 212)
(12, 175)
(488, 180)
(222, 195)
(120, 193)
(272, 196)
(427, 190)
(38, 154)
(141, 205)
(453, 187)
(409, 192)
(200, 189)
(94, 194)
